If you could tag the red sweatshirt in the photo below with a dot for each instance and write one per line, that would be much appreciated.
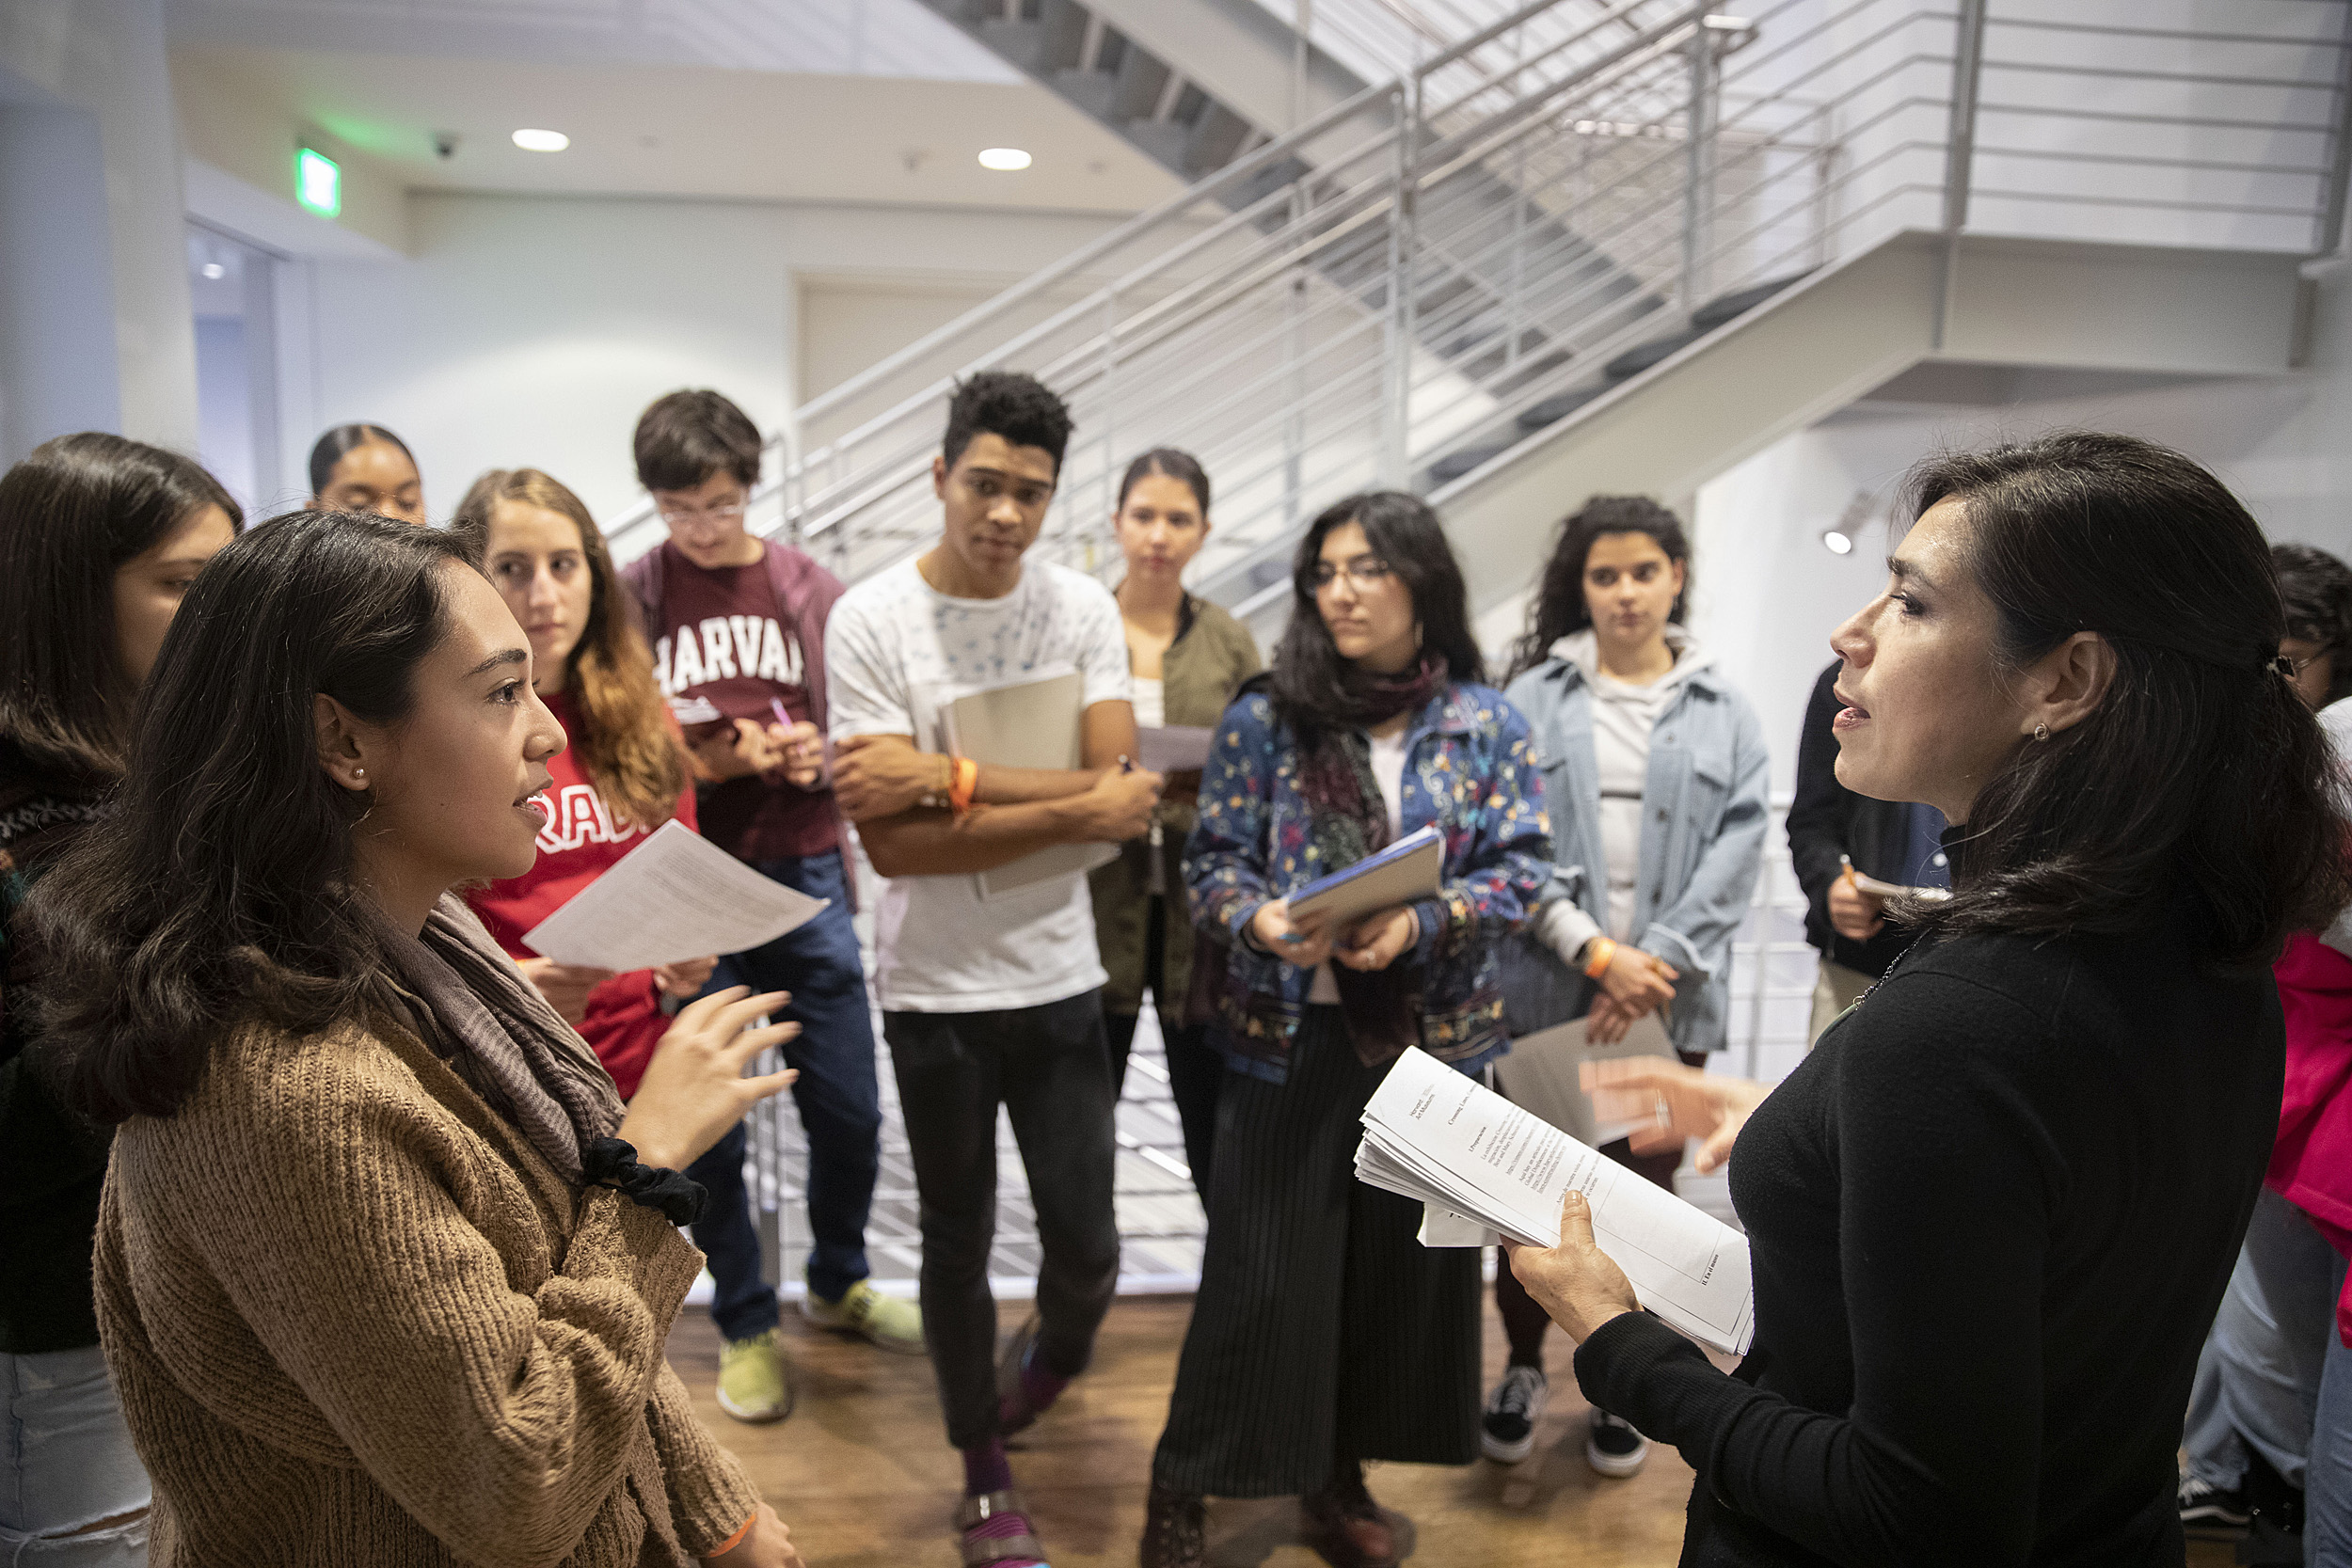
(2310, 1164)
(582, 838)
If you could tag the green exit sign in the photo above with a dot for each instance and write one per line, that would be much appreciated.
(318, 183)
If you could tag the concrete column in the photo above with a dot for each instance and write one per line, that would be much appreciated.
(67, 67)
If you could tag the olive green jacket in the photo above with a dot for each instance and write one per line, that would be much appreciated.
(1211, 654)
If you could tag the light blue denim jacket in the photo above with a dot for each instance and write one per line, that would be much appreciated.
(1705, 807)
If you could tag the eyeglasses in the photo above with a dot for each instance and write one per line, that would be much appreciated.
(732, 513)
(1362, 574)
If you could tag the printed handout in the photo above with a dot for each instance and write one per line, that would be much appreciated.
(676, 896)
(1477, 1162)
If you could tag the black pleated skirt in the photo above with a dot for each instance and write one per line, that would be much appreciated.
(1323, 1330)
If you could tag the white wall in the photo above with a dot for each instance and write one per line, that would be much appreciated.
(66, 69)
(1769, 593)
(535, 329)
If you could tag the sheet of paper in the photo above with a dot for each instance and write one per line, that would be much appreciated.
(676, 896)
(1174, 748)
(1539, 1074)
(1433, 1134)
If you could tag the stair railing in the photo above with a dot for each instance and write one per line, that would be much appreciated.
(1421, 279)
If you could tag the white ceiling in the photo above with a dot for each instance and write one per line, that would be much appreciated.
(668, 129)
(867, 38)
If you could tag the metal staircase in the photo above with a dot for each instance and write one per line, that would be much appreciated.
(1429, 279)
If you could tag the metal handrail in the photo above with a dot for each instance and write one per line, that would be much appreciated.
(1459, 251)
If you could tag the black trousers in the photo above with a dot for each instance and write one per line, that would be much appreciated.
(1046, 1065)
(1323, 1331)
(1195, 1070)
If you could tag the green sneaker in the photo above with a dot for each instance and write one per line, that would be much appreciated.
(755, 1381)
(892, 1324)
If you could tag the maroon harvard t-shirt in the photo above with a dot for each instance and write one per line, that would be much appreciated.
(724, 643)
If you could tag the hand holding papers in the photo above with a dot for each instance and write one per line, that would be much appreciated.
(676, 896)
(1437, 1137)
(1543, 1074)
(1663, 1103)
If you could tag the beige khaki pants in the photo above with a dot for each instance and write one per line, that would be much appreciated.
(1837, 988)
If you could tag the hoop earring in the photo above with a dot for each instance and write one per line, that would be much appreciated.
(2042, 731)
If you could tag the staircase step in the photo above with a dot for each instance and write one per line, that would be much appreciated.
(1089, 90)
(1453, 465)
(1724, 306)
(1558, 407)
(1633, 361)
(1020, 44)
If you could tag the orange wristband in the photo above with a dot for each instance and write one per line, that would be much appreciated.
(967, 784)
(734, 1541)
(1604, 952)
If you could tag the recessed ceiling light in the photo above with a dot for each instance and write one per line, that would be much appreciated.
(542, 141)
(213, 270)
(1006, 159)
(1838, 541)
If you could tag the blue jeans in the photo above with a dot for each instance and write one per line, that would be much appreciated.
(2327, 1497)
(839, 1103)
(66, 1462)
(2258, 1378)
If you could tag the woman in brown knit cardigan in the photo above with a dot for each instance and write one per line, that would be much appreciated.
(383, 1271)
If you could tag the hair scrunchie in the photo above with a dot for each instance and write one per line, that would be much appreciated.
(613, 1163)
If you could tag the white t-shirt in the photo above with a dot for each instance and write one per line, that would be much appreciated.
(1388, 772)
(894, 646)
(1151, 703)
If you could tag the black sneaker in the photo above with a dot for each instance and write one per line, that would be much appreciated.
(2211, 1513)
(1612, 1447)
(1506, 1431)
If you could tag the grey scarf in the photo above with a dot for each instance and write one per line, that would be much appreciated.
(500, 1034)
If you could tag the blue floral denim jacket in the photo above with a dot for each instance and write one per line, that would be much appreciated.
(1468, 769)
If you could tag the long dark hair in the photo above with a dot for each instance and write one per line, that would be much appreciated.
(2200, 769)
(627, 745)
(330, 450)
(69, 515)
(1310, 681)
(1560, 610)
(217, 889)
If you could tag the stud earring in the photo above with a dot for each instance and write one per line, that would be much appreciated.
(2042, 731)
(358, 772)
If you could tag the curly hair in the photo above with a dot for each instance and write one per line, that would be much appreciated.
(1018, 407)
(1560, 610)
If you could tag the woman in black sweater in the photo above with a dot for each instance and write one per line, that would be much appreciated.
(1992, 1213)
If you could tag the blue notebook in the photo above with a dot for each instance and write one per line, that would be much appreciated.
(1404, 871)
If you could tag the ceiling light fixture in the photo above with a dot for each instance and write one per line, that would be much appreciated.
(1838, 541)
(213, 270)
(542, 141)
(1004, 159)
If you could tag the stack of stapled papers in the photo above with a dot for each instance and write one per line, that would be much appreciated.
(1482, 1164)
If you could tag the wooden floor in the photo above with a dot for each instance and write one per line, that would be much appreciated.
(862, 1473)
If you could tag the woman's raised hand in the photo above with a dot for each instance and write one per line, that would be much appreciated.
(694, 1090)
(1669, 1102)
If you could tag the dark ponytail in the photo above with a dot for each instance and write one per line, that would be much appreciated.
(2200, 771)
